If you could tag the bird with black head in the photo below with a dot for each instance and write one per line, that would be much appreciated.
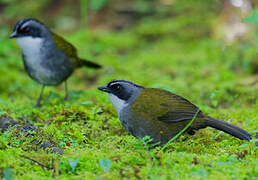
(48, 58)
(160, 114)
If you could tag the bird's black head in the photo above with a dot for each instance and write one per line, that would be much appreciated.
(29, 28)
(122, 89)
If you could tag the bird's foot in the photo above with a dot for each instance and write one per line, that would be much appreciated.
(37, 104)
(66, 98)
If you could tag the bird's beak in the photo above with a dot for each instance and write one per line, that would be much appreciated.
(104, 88)
(13, 35)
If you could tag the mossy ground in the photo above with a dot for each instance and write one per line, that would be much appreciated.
(87, 128)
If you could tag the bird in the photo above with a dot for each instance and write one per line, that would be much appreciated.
(160, 114)
(47, 57)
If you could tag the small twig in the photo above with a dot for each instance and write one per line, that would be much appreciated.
(57, 167)
(42, 165)
(183, 130)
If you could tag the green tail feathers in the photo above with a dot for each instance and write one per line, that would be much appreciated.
(228, 128)
(90, 64)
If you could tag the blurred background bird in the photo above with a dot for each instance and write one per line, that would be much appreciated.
(48, 58)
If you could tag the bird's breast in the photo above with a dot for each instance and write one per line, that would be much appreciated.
(35, 59)
(31, 50)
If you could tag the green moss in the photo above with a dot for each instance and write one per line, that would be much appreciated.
(88, 129)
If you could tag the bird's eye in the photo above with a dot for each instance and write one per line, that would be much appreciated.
(116, 87)
(26, 29)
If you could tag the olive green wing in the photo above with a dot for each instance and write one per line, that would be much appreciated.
(67, 48)
(71, 52)
(170, 107)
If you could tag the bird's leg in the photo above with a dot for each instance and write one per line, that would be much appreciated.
(40, 96)
(66, 91)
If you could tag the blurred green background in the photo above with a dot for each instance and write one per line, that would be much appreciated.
(148, 41)
(204, 50)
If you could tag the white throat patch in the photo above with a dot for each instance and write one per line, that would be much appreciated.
(119, 104)
(29, 45)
